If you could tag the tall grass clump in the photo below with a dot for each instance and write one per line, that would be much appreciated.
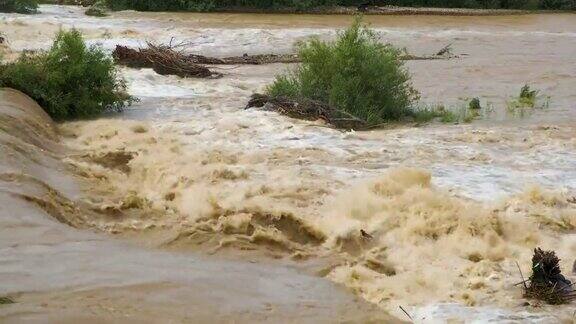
(355, 74)
(71, 80)
(19, 6)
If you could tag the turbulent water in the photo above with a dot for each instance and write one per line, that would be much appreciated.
(447, 210)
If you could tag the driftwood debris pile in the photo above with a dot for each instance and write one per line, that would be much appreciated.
(547, 282)
(306, 109)
(163, 59)
(167, 59)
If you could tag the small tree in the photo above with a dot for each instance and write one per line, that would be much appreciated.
(355, 74)
(20, 6)
(71, 80)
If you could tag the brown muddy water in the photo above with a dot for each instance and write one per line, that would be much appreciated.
(450, 208)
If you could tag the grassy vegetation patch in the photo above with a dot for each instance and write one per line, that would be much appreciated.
(71, 80)
(527, 101)
(457, 114)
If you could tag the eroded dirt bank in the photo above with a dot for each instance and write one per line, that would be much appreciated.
(447, 209)
(58, 274)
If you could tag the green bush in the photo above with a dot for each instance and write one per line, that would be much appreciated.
(71, 80)
(20, 6)
(98, 9)
(355, 73)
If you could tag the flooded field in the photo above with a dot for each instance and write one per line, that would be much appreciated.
(448, 208)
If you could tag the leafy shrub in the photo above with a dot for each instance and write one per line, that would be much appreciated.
(71, 80)
(20, 6)
(98, 9)
(355, 73)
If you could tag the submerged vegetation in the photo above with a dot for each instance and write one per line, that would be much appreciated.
(464, 113)
(19, 6)
(355, 74)
(71, 80)
(526, 101)
(209, 5)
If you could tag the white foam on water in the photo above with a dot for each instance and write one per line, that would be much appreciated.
(450, 312)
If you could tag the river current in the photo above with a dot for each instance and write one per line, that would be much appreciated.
(449, 208)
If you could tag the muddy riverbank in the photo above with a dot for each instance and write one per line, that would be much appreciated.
(58, 274)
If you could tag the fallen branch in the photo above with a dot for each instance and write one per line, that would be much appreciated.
(246, 59)
(445, 51)
(405, 312)
(522, 276)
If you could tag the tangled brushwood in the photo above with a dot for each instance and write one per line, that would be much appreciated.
(174, 57)
(163, 59)
(547, 282)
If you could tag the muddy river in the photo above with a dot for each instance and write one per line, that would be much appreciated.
(187, 191)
